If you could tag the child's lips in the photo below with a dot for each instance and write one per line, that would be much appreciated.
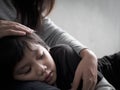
(48, 78)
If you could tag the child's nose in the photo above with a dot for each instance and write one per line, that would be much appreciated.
(41, 69)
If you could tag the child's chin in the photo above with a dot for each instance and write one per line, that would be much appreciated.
(52, 82)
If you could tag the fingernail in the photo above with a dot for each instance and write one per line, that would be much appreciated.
(31, 31)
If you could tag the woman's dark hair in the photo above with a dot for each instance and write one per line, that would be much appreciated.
(30, 11)
(11, 52)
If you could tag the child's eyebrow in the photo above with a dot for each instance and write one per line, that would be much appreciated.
(35, 51)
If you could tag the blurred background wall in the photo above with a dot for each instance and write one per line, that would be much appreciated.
(95, 23)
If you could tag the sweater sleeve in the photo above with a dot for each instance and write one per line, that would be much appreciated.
(51, 33)
(54, 35)
(7, 10)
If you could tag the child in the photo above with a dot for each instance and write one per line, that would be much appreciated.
(28, 58)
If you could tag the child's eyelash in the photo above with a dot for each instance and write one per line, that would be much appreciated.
(41, 57)
(27, 71)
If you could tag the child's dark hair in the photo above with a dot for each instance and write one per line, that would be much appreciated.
(12, 51)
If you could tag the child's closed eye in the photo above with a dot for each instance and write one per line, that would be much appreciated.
(40, 57)
(25, 70)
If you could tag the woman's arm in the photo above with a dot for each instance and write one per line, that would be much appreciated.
(53, 35)
(88, 76)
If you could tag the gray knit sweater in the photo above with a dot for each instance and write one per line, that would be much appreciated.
(51, 33)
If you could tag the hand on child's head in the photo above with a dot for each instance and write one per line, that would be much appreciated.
(8, 28)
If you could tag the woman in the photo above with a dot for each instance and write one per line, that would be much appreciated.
(33, 15)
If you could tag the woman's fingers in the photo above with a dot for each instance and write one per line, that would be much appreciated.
(14, 25)
(89, 84)
(14, 32)
(11, 32)
(77, 77)
(89, 79)
(13, 28)
(75, 83)
(87, 72)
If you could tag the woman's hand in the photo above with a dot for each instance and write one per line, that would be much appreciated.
(86, 71)
(13, 28)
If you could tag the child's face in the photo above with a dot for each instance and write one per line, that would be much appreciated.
(37, 64)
